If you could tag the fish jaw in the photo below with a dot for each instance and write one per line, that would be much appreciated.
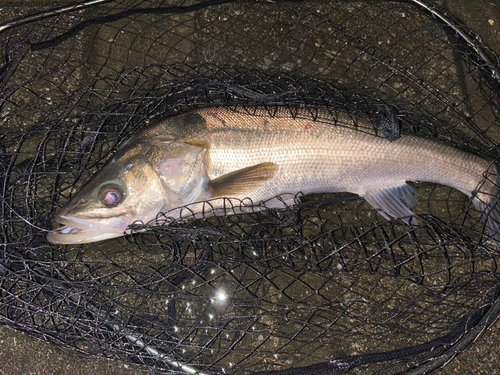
(77, 230)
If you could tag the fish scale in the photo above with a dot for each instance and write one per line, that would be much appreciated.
(243, 153)
(348, 160)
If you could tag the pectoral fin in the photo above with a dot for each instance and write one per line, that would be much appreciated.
(389, 202)
(242, 181)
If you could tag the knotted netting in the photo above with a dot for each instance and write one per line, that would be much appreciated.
(324, 286)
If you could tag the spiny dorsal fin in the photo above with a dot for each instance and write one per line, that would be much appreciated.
(242, 181)
(174, 128)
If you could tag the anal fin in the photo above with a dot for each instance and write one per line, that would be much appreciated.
(490, 209)
(389, 202)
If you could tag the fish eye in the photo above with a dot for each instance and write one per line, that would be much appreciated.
(111, 194)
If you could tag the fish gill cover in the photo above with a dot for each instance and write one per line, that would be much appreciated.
(327, 285)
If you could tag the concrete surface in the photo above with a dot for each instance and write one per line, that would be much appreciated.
(21, 354)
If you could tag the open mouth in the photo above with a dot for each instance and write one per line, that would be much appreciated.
(71, 225)
(75, 230)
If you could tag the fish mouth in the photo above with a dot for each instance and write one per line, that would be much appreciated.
(77, 230)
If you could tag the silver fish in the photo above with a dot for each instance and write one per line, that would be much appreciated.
(236, 153)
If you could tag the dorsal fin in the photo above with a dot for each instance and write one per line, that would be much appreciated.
(176, 127)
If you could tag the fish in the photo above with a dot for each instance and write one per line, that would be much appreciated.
(253, 155)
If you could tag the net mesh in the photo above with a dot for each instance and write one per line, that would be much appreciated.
(326, 284)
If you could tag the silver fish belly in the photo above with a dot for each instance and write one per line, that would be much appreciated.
(233, 153)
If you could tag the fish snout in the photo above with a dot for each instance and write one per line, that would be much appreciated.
(83, 230)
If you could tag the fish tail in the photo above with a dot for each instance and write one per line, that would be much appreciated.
(486, 200)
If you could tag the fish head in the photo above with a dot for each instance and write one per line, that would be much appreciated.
(139, 182)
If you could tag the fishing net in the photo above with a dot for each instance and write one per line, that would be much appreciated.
(324, 286)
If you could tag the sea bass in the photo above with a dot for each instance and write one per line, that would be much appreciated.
(237, 153)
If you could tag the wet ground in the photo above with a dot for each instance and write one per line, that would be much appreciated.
(21, 354)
